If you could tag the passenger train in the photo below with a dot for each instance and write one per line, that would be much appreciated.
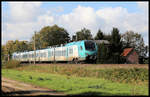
(85, 50)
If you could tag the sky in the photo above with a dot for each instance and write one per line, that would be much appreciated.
(21, 19)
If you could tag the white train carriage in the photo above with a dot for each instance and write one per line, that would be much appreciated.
(37, 55)
(30, 56)
(51, 54)
(43, 54)
(72, 52)
(61, 54)
(23, 56)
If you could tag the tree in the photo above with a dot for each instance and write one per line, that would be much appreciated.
(116, 40)
(51, 35)
(134, 40)
(103, 54)
(38, 42)
(14, 46)
(116, 45)
(20, 46)
(84, 34)
(99, 35)
(73, 38)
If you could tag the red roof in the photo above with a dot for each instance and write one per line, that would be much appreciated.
(126, 51)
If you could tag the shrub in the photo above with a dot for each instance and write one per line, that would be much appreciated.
(12, 64)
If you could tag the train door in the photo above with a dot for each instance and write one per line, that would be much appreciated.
(70, 53)
(75, 51)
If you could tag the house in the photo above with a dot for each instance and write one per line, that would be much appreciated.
(130, 56)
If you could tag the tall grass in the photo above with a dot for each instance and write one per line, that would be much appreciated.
(11, 64)
(123, 75)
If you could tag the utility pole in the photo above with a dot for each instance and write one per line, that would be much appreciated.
(34, 48)
(76, 37)
(8, 57)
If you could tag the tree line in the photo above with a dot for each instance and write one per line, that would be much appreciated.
(55, 35)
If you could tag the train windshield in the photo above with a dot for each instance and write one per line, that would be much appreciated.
(90, 45)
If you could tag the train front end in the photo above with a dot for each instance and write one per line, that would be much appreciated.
(90, 51)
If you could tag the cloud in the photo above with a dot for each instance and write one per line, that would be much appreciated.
(143, 5)
(21, 22)
(24, 11)
(28, 19)
(120, 17)
(113, 17)
(80, 17)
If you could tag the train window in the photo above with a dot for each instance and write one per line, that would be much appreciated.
(55, 53)
(42, 55)
(58, 53)
(81, 48)
(89, 45)
(62, 53)
(49, 53)
(70, 51)
(45, 54)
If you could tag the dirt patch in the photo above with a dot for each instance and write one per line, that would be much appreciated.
(16, 88)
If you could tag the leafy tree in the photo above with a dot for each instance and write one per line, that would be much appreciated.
(13, 46)
(134, 40)
(51, 35)
(73, 38)
(102, 53)
(116, 40)
(84, 34)
(3, 52)
(99, 35)
(116, 45)
(20, 46)
(38, 43)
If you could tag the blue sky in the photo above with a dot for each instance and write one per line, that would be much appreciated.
(20, 20)
(68, 6)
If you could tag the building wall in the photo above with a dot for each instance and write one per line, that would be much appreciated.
(133, 58)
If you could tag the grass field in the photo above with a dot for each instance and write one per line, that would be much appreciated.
(76, 85)
(126, 73)
(84, 79)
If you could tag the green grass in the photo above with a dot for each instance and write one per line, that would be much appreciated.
(73, 85)
(116, 74)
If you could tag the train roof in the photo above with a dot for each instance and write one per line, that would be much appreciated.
(76, 42)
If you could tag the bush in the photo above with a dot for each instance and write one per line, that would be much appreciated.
(124, 75)
(12, 64)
